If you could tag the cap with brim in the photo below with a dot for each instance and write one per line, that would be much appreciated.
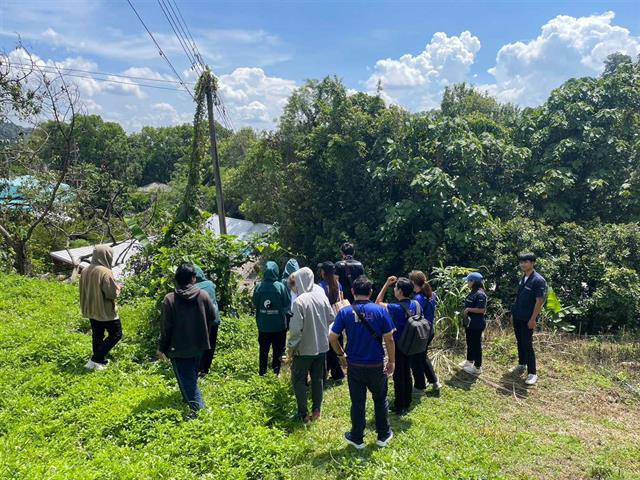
(473, 277)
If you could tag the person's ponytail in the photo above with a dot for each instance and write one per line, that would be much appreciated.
(419, 279)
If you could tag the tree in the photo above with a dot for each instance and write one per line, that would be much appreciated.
(30, 94)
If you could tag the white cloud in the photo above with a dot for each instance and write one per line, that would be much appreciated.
(254, 98)
(417, 81)
(525, 73)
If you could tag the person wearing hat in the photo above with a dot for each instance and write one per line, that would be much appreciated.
(532, 292)
(475, 307)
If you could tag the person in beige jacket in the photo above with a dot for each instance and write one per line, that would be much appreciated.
(98, 293)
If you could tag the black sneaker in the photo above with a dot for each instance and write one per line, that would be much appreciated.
(383, 442)
(352, 442)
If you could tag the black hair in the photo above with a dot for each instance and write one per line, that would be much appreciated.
(362, 286)
(477, 285)
(527, 257)
(405, 286)
(329, 273)
(185, 274)
(347, 248)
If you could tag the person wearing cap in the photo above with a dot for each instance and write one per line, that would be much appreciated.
(531, 295)
(475, 307)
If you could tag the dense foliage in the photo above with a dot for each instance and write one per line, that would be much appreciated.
(471, 184)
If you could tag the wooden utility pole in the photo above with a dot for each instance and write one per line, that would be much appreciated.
(222, 217)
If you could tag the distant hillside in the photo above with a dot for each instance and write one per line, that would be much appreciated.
(10, 131)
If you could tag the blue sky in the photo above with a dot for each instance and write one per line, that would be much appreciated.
(517, 51)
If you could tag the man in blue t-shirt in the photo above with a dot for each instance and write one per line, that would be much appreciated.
(532, 292)
(367, 325)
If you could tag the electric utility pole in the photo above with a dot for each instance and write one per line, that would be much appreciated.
(222, 217)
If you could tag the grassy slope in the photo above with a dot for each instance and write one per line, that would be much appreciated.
(58, 421)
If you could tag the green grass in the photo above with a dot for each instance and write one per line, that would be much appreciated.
(59, 421)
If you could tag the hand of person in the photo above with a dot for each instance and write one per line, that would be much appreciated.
(343, 361)
(392, 279)
(532, 324)
(465, 312)
(388, 370)
(161, 356)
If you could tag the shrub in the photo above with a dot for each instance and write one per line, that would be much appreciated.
(616, 302)
(217, 255)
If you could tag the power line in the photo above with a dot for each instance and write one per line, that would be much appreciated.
(193, 42)
(162, 54)
(176, 30)
(184, 27)
(68, 69)
(76, 75)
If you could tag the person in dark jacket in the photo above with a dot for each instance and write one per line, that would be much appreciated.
(348, 269)
(187, 313)
(272, 305)
(333, 291)
(203, 283)
(532, 293)
(475, 307)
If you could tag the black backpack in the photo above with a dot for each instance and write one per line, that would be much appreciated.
(415, 336)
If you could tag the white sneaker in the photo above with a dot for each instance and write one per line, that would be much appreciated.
(466, 363)
(518, 369)
(385, 442)
(91, 365)
(417, 391)
(436, 386)
(532, 378)
(472, 370)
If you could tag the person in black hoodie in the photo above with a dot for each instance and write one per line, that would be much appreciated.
(187, 313)
(348, 269)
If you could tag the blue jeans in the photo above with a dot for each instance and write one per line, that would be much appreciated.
(186, 370)
(374, 379)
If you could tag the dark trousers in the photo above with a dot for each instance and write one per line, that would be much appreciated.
(422, 368)
(333, 364)
(361, 379)
(402, 384)
(207, 356)
(186, 370)
(300, 368)
(102, 346)
(268, 341)
(474, 345)
(524, 339)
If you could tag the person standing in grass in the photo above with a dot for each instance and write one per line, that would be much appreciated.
(98, 294)
(208, 286)
(400, 312)
(530, 298)
(333, 291)
(308, 342)
(187, 314)
(271, 300)
(422, 367)
(475, 307)
(367, 325)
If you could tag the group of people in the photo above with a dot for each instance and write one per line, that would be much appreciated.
(323, 325)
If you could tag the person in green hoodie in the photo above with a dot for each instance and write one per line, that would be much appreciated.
(203, 283)
(272, 303)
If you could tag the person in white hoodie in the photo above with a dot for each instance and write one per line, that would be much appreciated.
(309, 342)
